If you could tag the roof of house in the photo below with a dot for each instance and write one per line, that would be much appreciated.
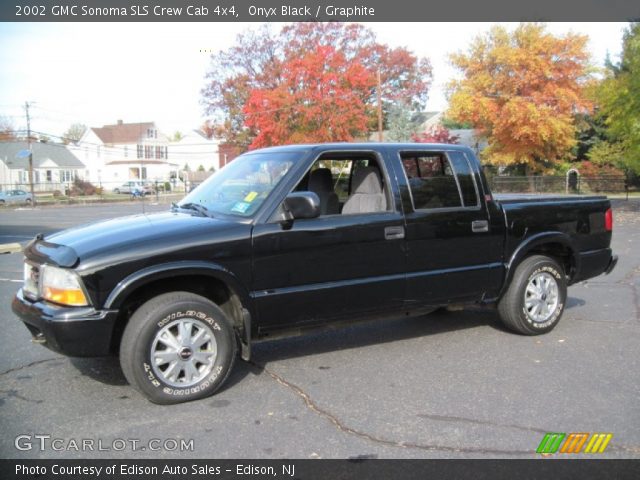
(55, 152)
(122, 132)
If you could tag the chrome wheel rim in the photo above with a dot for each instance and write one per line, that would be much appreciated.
(183, 352)
(541, 297)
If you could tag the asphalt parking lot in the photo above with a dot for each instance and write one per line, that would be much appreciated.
(450, 384)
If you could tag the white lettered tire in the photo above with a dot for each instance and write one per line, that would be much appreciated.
(535, 299)
(177, 347)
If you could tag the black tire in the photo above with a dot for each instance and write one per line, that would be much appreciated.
(513, 306)
(152, 320)
(116, 191)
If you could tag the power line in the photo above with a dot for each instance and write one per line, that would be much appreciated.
(114, 149)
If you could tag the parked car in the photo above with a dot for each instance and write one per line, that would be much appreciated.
(15, 196)
(130, 187)
(266, 247)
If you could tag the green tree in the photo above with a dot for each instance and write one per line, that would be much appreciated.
(618, 98)
(400, 125)
(177, 136)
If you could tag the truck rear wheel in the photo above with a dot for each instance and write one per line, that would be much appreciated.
(536, 296)
(178, 347)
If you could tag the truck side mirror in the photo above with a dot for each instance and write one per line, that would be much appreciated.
(302, 205)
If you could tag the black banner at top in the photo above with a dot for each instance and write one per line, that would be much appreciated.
(314, 10)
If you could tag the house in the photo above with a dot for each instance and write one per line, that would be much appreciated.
(54, 166)
(117, 153)
(195, 150)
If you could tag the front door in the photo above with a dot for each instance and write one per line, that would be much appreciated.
(333, 267)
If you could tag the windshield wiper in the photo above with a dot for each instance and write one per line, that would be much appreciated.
(201, 209)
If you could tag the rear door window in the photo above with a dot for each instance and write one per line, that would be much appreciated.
(431, 180)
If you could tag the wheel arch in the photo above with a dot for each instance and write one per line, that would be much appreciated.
(556, 245)
(210, 280)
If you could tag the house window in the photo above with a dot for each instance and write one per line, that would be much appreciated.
(148, 151)
(144, 173)
(98, 151)
(126, 151)
(139, 150)
(166, 153)
(152, 133)
(159, 152)
(66, 176)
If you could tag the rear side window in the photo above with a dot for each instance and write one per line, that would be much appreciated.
(465, 178)
(431, 180)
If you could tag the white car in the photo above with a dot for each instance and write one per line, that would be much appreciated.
(15, 196)
(129, 187)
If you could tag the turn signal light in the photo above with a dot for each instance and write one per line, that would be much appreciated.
(73, 298)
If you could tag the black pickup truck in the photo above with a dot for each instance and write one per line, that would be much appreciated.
(286, 239)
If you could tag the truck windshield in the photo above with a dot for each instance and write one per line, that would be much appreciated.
(241, 186)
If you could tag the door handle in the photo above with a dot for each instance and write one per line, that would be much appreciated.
(479, 226)
(393, 233)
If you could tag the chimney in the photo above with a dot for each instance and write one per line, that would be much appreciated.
(119, 122)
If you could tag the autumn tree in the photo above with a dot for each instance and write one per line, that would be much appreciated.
(74, 133)
(436, 134)
(260, 59)
(521, 90)
(320, 99)
(618, 98)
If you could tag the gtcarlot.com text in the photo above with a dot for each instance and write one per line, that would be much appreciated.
(45, 442)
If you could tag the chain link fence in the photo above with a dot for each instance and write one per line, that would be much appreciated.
(79, 191)
(579, 184)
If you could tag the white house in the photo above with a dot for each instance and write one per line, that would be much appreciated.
(117, 153)
(195, 150)
(54, 166)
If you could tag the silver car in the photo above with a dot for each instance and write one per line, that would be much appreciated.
(15, 196)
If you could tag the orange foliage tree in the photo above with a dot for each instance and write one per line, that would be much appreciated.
(321, 98)
(521, 90)
(256, 79)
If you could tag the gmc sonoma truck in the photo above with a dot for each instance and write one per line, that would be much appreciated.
(286, 239)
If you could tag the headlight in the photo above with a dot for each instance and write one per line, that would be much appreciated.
(62, 286)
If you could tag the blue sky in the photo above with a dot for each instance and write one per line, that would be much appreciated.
(97, 73)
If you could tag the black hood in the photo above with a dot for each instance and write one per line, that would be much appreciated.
(129, 238)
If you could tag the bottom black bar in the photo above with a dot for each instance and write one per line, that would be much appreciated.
(542, 469)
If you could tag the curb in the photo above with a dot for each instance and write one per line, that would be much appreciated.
(10, 248)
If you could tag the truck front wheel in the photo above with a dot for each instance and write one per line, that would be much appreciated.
(536, 296)
(177, 347)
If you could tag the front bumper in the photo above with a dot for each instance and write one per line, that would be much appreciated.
(72, 331)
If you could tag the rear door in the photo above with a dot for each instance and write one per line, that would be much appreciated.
(334, 266)
(452, 248)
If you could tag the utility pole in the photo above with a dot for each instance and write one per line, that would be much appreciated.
(26, 109)
(380, 138)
